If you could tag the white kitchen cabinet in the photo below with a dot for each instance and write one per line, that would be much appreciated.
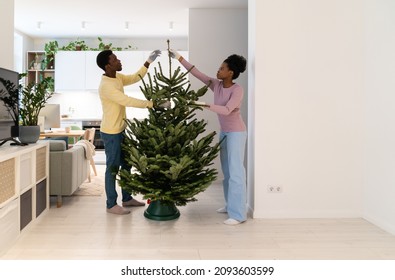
(131, 62)
(92, 72)
(70, 70)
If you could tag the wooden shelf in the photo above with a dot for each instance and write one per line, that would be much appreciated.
(35, 67)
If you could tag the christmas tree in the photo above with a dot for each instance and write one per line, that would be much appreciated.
(170, 156)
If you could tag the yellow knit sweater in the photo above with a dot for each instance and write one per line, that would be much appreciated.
(114, 101)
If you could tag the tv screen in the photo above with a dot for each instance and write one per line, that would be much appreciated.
(6, 120)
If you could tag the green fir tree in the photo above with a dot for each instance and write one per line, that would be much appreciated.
(170, 156)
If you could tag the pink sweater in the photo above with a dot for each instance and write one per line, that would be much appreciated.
(227, 101)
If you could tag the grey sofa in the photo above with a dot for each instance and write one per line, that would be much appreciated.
(68, 169)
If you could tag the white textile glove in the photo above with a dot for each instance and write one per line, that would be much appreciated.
(153, 56)
(165, 105)
(199, 103)
(174, 54)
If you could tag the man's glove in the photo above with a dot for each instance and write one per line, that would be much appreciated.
(165, 105)
(153, 56)
(174, 54)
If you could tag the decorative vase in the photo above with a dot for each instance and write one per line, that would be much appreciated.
(161, 211)
(29, 134)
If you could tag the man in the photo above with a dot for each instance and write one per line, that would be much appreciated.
(114, 102)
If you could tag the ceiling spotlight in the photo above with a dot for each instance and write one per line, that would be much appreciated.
(83, 25)
(126, 25)
(170, 25)
(39, 23)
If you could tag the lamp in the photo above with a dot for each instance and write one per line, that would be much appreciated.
(126, 25)
(170, 25)
(39, 25)
(83, 25)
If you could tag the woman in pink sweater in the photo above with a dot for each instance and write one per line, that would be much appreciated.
(228, 97)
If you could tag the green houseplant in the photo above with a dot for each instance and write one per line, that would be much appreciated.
(32, 98)
(171, 158)
(51, 48)
(104, 46)
(76, 45)
(108, 46)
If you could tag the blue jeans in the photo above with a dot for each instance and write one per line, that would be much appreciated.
(232, 163)
(115, 158)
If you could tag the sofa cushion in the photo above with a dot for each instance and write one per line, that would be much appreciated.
(57, 145)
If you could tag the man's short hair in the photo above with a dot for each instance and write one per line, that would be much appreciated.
(103, 58)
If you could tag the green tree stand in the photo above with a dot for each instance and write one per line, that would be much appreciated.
(161, 211)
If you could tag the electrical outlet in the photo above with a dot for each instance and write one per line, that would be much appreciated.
(274, 189)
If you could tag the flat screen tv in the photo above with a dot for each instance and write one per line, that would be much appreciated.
(6, 120)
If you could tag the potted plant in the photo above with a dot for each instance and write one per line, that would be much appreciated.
(31, 98)
(104, 46)
(69, 47)
(76, 45)
(34, 96)
(80, 45)
(51, 48)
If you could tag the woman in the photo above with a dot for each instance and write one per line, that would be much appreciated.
(228, 98)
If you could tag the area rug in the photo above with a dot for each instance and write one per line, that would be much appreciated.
(93, 188)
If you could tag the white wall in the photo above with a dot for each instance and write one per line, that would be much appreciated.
(214, 34)
(7, 34)
(250, 101)
(379, 191)
(308, 108)
(28, 44)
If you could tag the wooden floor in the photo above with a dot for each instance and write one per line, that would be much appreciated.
(82, 229)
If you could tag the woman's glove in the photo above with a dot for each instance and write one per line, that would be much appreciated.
(174, 54)
(199, 103)
(153, 56)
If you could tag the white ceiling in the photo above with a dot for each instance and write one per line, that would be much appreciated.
(147, 18)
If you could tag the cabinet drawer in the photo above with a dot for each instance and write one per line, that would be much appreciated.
(7, 180)
(26, 212)
(41, 197)
(9, 225)
(41, 166)
(26, 171)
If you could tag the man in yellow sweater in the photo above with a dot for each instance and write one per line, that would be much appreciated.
(114, 102)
